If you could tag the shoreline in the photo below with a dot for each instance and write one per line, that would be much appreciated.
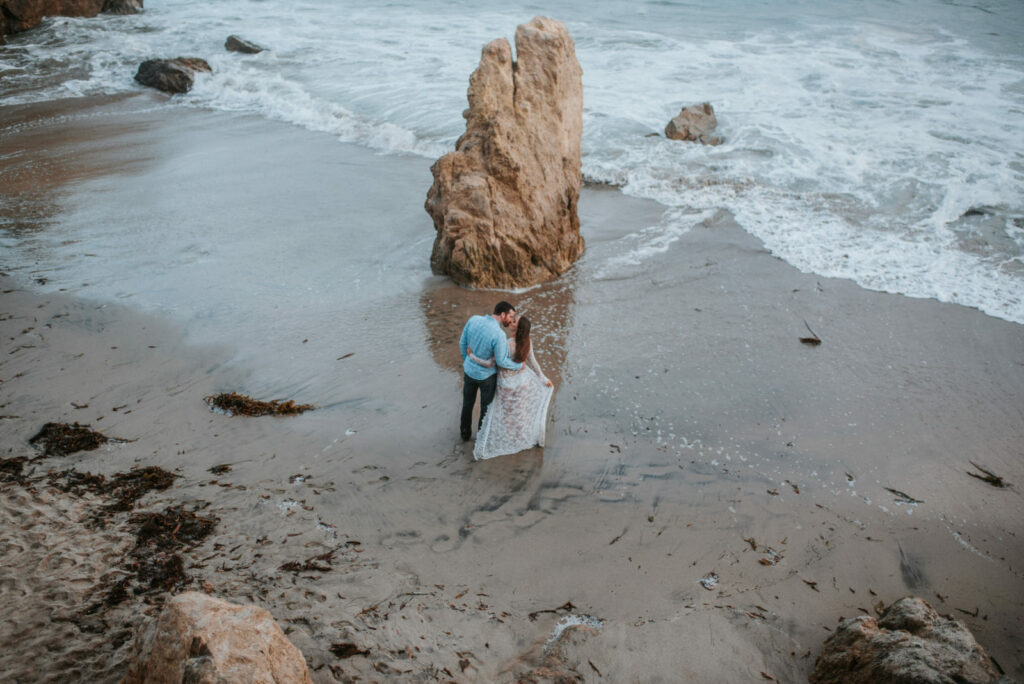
(683, 399)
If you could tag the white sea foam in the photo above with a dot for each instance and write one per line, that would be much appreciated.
(635, 249)
(571, 621)
(857, 144)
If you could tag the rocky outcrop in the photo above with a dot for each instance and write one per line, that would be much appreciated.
(504, 202)
(198, 638)
(171, 75)
(695, 123)
(909, 643)
(122, 6)
(21, 15)
(238, 44)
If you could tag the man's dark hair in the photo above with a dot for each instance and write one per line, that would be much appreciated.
(503, 307)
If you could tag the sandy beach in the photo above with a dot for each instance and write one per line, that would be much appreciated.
(691, 431)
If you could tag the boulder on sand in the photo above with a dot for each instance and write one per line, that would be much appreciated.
(171, 75)
(694, 123)
(910, 642)
(238, 44)
(198, 638)
(504, 202)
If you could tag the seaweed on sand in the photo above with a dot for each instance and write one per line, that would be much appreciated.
(77, 483)
(813, 341)
(61, 439)
(321, 563)
(174, 528)
(154, 560)
(11, 469)
(236, 404)
(160, 571)
(123, 489)
(154, 564)
(127, 488)
(988, 476)
(346, 649)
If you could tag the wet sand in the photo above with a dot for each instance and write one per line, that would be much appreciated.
(691, 432)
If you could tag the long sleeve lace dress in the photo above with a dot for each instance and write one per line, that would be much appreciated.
(517, 418)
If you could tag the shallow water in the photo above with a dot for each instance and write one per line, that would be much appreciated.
(880, 143)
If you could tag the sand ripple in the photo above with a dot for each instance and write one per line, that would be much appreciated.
(51, 563)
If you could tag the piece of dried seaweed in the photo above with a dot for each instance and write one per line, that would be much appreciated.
(11, 469)
(173, 528)
(77, 483)
(123, 489)
(347, 649)
(902, 497)
(988, 476)
(61, 439)
(811, 341)
(154, 561)
(320, 563)
(127, 488)
(236, 404)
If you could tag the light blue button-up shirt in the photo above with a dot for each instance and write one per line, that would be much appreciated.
(483, 334)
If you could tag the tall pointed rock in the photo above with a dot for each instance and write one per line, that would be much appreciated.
(504, 202)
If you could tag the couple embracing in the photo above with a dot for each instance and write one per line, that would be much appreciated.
(514, 392)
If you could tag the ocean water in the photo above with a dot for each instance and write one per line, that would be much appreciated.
(878, 141)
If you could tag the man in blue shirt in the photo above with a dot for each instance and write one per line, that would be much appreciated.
(484, 335)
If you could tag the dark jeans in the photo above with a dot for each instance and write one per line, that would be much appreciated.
(469, 388)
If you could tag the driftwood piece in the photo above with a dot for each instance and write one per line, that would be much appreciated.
(811, 341)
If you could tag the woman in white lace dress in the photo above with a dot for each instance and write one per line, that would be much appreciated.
(517, 418)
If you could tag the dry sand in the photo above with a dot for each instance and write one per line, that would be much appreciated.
(690, 432)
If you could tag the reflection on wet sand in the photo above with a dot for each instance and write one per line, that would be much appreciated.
(446, 308)
(44, 147)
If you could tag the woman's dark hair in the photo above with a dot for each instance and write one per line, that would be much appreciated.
(503, 307)
(522, 340)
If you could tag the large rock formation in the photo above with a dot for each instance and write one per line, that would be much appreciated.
(695, 123)
(909, 643)
(171, 75)
(202, 639)
(21, 15)
(504, 202)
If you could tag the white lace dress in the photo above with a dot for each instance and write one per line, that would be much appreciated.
(518, 416)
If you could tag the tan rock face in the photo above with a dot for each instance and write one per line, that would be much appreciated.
(21, 15)
(696, 123)
(201, 639)
(504, 202)
(909, 643)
